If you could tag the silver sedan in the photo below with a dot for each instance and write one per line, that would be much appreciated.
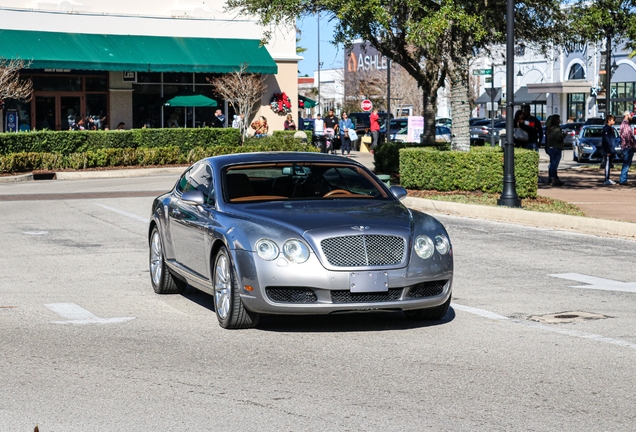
(297, 233)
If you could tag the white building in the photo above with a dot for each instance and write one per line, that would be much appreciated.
(568, 83)
(121, 60)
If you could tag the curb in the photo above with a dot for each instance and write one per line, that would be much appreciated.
(581, 224)
(18, 178)
(137, 172)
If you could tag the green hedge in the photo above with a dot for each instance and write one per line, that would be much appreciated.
(291, 133)
(67, 142)
(480, 169)
(142, 156)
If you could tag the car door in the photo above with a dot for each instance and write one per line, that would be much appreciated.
(188, 222)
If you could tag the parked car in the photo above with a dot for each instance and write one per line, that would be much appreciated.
(571, 130)
(594, 121)
(297, 233)
(587, 146)
(442, 134)
(444, 121)
(480, 132)
(397, 125)
(308, 124)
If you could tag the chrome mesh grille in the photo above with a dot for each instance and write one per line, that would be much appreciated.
(363, 250)
(427, 289)
(291, 295)
(377, 297)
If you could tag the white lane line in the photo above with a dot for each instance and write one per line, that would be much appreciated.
(573, 333)
(78, 315)
(597, 283)
(125, 213)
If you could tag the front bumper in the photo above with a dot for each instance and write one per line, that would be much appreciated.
(280, 287)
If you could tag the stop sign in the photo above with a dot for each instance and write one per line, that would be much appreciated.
(366, 105)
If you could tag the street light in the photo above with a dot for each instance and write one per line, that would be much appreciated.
(509, 197)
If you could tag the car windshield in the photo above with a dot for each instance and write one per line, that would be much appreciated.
(299, 181)
(596, 132)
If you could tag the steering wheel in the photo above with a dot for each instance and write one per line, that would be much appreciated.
(337, 192)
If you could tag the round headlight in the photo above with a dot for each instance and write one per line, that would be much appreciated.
(442, 244)
(424, 247)
(266, 249)
(296, 251)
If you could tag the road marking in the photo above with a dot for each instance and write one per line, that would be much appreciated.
(78, 315)
(597, 283)
(35, 233)
(125, 213)
(574, 333)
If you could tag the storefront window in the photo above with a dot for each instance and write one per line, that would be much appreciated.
(149, 77)
(57, 83)
(97, 108)
(146, 105)
(96, 83)
(576, 106)
(178, 78)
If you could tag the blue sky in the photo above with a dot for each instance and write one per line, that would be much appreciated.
(330, 56)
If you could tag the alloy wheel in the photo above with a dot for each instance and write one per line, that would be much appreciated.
(222, 286)
(156, 258)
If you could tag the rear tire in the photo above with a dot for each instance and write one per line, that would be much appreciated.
(228, 305)
(163, 282)
(429, 314)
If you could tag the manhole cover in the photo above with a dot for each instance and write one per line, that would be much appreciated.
(567, 317)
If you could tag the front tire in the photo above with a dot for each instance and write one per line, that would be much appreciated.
(228, 305)
(429, 314)
(163, 282)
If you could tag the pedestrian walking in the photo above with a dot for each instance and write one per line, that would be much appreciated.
(331, 122)
(535, 131)
(374, 127)
(344, 126)
(628, 143)
(608, 144)
(554, 148)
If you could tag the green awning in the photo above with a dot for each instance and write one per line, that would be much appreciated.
(51, 50)
(307, 103)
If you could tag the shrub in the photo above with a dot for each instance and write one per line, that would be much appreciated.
(291, 133)
(480, 169)
(67, 142)
(142, 156)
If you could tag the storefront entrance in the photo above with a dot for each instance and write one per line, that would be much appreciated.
(57, 111)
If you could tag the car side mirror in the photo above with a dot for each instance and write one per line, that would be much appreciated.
(398, 191)
(193, 197)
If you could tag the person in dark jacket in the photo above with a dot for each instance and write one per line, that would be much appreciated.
(608, 143)
(535, 130)
(554, 147)
(519, 122)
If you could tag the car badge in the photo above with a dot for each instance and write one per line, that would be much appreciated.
(360, 227)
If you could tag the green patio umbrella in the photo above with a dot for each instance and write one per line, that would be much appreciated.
(188, 98)
(307, 103)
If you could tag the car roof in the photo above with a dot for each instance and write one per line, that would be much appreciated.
(221, 161)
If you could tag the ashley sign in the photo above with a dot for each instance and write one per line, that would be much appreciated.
(364, 57)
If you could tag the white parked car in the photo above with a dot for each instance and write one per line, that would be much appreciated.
(442, 134)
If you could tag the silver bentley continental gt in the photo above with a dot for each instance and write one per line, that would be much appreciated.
(297, 233)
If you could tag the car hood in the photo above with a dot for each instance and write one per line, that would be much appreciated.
(304, 216)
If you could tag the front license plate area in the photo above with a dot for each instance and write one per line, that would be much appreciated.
(368, 281)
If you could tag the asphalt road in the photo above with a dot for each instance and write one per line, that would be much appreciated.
(85, 344)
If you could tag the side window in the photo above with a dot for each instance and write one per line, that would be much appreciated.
(199, 177)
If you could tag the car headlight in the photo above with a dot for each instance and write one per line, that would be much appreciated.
(267, 249)
(424, 247)
(587, 147)
(442, 244)
(296, 251)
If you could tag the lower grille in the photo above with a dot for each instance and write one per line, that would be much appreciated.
(291, 295)
(426, 289)
(349, 297)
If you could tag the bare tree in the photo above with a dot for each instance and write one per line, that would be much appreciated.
(11, 86)
(244, 91)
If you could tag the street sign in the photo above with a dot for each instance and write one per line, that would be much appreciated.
(488, 80)
(482, 71)
(366, 105)
(489, 106)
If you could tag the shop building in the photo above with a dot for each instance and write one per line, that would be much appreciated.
(568, 82)
(120, 61)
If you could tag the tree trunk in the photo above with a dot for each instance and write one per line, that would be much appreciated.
(429, 104)
(460, 106)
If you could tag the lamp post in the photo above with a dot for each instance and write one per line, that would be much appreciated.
(509, 197)
(492, 105)
(319, 65)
